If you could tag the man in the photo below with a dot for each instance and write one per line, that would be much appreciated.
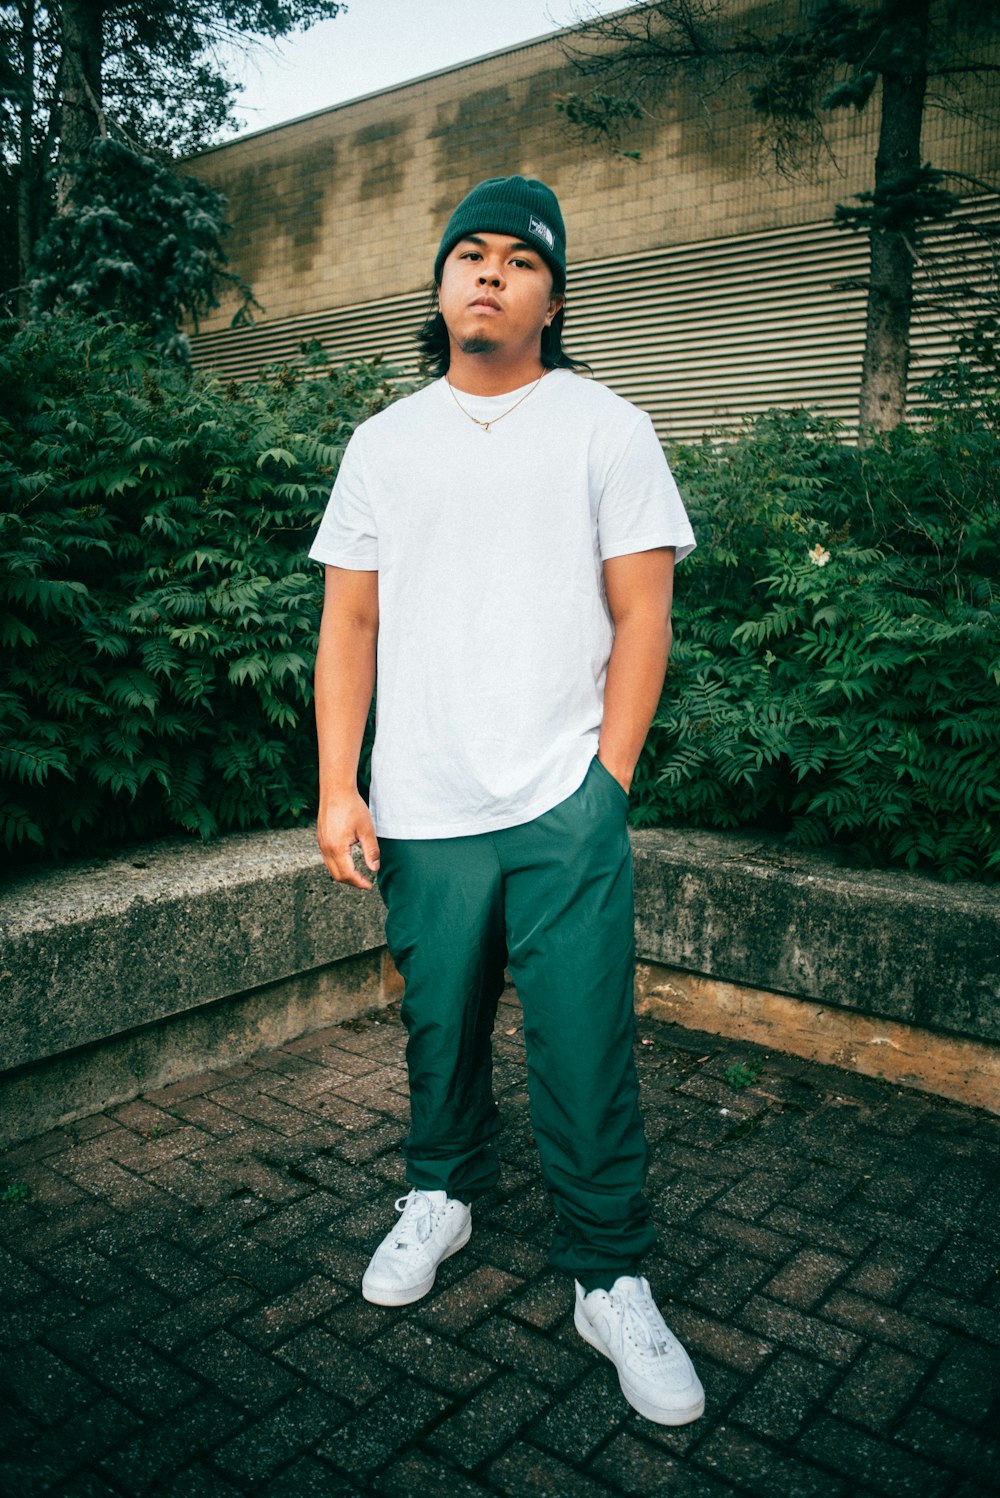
(505, 538)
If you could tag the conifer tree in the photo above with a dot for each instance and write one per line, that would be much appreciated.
(800, 65)
(146, 77)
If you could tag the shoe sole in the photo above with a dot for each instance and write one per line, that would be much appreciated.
(406, 1297)
(656, 1413)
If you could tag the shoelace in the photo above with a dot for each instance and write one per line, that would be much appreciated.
(414, 1227)
(645, 1325)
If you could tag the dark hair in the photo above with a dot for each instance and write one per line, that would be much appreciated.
(436, 349)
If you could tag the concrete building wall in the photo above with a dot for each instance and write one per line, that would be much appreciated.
(348, 205)
(345, 208)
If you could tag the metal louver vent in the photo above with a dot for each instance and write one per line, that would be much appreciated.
(699, 335)
(363, 331)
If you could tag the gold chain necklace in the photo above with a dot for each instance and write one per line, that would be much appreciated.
(485, 425)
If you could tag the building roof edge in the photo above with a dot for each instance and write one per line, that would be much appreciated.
(392, 88)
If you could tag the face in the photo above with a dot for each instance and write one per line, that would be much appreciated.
(496, 296)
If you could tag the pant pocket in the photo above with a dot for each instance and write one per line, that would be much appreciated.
(604, 773)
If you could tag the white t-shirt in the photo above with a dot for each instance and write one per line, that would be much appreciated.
(494, 630)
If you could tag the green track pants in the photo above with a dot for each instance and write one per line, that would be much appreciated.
(553, 900)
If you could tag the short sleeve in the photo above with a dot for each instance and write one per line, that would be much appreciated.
(640, 507)
(347, 536)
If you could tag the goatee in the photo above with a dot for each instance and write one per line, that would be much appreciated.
(478, 345)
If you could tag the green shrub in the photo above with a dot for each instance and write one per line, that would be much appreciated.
(836, 670)
(158, 614)
(136, 242)
(835, 675)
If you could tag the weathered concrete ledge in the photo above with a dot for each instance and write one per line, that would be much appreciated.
(889, 974)
(99, 949)
(122, 975)
(743, 909)
(127, 974)
(89, 1078)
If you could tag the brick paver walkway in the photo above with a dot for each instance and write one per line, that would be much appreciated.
(180, 1311)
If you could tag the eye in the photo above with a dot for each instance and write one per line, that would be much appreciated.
(470, 255)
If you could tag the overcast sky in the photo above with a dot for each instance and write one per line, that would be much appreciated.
(379, 43)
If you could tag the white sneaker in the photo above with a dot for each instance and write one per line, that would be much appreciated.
(654, 1371)
(433, 1226)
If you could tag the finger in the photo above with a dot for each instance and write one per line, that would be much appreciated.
(358, 872)
(369, 848)
(350, 875)
(340, 864)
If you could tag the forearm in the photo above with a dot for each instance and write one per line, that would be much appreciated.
(632, 691)
(345, 680)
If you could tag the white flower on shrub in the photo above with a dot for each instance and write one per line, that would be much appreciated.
(819, 555)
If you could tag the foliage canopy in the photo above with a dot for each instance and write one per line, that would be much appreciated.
(797, 67)
(141, 245)
(835, 675)
(836, 670)
(146, 82)
(158, 615)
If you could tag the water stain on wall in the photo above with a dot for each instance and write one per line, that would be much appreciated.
(544, 129)
(703, 118)
(277, 208)
(383, 151)
(473, 138)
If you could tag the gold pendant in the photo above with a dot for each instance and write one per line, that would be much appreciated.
(486, 425)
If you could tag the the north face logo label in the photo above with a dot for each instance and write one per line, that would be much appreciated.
(541, 231)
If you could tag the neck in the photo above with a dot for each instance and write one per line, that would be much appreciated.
(492, 374)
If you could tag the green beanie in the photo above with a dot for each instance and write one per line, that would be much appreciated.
(520, 206)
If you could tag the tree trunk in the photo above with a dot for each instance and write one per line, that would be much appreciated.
(890, 285)
(79, 89)
(26, 160)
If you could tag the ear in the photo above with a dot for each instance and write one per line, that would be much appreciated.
(556, 304)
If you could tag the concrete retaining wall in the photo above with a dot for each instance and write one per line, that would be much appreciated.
(742, 909)
(884, 973)
(101, 948)
(121, 975)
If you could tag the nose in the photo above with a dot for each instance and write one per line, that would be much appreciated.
(490, 276)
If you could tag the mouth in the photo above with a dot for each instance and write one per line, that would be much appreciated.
(485, 304)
